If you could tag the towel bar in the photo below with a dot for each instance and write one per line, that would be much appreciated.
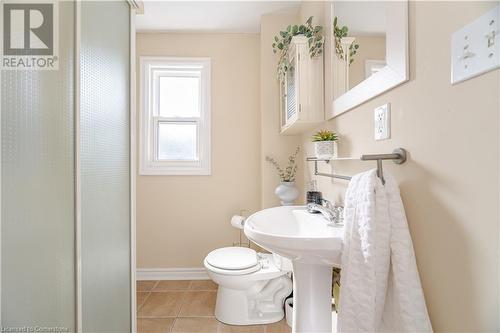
(398, 156)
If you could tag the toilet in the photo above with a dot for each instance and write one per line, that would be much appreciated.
(252, 286)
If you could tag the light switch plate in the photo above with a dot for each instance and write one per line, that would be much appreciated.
(382, 122)
(475, 48)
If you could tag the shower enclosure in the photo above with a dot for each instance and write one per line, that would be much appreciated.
(66, 178)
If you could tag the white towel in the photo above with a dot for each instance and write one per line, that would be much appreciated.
(380, 285)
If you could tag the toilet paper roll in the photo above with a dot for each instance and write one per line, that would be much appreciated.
(238, 221)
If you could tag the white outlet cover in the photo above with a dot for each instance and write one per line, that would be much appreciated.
(382, 122)
(475, 48)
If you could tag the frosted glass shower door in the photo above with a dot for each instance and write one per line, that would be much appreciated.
(37, 190)
(65, 179)
(105, 166)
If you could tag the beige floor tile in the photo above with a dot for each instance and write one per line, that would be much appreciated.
(145, 285)
(279, 327)
(223, 328)
(198, 303)
(203, 285)
(195, 325)
(162, 304)
(172, 285)
(141, 297)
(163, 325)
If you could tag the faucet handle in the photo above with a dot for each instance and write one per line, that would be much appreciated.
(339, 214)
(311, 207)
(328, 204)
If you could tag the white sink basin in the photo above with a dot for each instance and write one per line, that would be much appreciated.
(314, 247)
(296, 234)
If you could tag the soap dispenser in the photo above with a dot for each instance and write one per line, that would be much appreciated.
(313, 195)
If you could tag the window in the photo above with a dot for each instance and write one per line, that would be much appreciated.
(175, 116)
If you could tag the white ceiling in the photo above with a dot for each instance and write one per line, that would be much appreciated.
(209, 16)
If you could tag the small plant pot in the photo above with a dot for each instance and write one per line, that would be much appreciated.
(324, 149)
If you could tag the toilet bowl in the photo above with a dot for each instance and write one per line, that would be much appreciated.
(252, 286)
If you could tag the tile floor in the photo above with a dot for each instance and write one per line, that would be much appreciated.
(186, 307)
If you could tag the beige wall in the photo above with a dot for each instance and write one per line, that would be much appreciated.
(370, 48)
(450, 183)
(181, 218)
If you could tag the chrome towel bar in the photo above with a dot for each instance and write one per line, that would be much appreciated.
(398, 156)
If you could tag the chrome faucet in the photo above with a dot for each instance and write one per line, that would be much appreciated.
(333, 213)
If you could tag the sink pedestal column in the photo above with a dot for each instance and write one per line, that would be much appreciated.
(312, 298)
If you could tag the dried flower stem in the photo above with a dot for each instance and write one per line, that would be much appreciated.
(287, 174)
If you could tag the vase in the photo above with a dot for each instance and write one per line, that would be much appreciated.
(287, 193)
(324, 150)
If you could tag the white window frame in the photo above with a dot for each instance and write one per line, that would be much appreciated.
(151, 70)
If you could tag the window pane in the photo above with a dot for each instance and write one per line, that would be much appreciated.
(177, 141)
(179, 96)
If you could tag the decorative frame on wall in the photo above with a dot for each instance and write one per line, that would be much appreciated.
(393, 74)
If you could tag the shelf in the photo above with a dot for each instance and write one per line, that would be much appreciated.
(332, 159)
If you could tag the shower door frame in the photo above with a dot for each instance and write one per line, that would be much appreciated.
(135, 5)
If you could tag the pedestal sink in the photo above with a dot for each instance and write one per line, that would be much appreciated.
(314, 248)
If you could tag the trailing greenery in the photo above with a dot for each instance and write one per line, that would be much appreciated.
(287, 174)
(325, 135)
(282, 42)
(339, 33)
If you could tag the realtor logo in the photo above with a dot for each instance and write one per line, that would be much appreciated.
(29, 35)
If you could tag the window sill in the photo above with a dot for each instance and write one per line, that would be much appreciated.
(169, 171)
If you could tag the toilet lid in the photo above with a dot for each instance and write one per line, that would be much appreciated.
(232, 258)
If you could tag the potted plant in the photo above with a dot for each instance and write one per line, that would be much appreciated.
(315, 40)
(286, 190)
(324, 144)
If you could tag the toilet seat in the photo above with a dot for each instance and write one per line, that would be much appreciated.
(233, 261)
(233, 258)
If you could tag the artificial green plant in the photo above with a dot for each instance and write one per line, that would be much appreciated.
(282, 42)
(324, 135)
(339, 33)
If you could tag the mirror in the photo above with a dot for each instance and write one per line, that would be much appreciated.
(369, 50)
(359, 31)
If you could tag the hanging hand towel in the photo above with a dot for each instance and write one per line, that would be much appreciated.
(380, 285)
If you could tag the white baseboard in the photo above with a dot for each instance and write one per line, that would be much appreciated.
(183, 273)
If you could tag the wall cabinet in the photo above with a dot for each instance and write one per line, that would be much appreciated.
(301, 90)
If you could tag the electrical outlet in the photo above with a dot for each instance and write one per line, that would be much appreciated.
(382, 122)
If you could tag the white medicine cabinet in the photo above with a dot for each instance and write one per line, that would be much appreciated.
(301, 90)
